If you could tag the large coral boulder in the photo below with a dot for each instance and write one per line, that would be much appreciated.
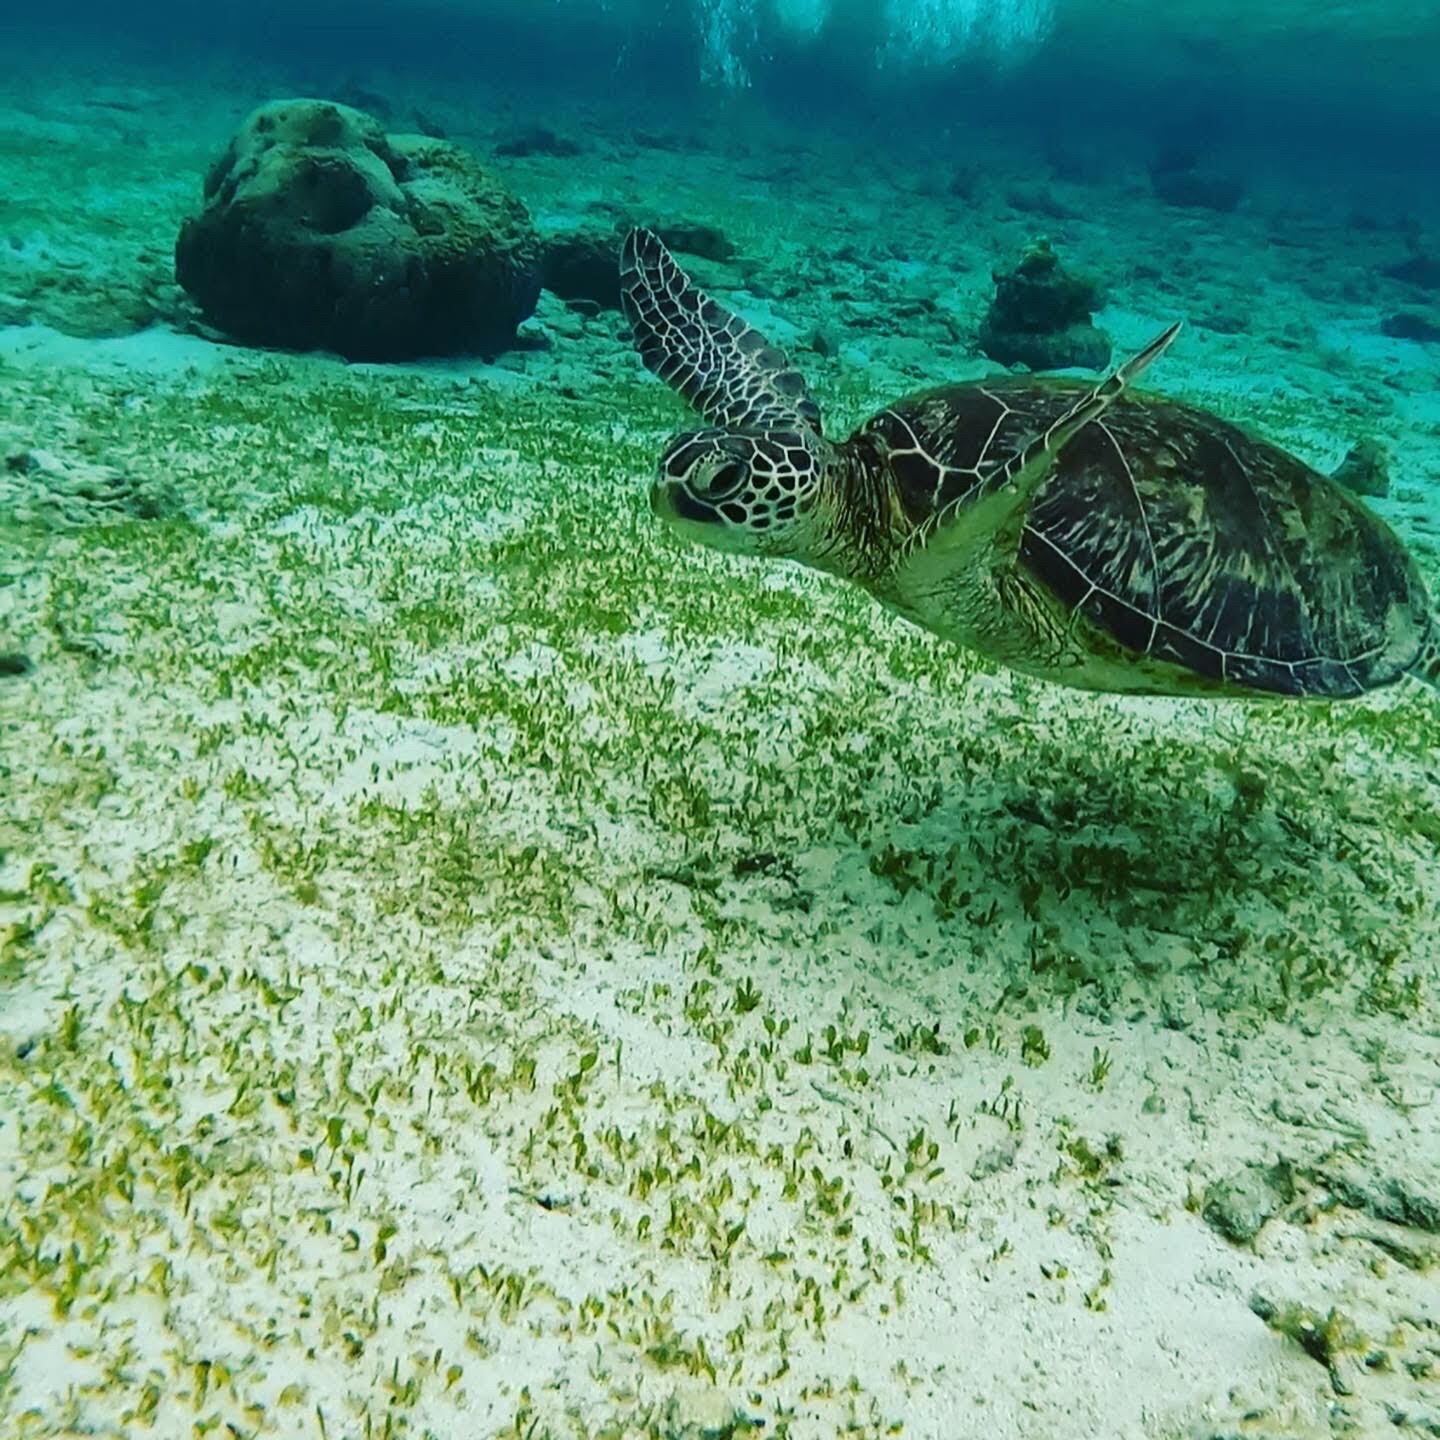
(322, 232)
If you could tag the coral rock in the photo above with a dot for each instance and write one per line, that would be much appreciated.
(1422, 271)
(584, 265)
(322, 232)
(1239, 1205)
(1365, 470)
(707, 241)
(1040, 316)
(1178, 178)
(538, 140)
(1406, 325)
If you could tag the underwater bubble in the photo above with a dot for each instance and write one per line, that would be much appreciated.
(802, 17)
(916, 32)
(935, 31)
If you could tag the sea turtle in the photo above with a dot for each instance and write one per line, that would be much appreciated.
(1083, 533)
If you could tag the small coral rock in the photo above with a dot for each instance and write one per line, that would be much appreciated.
(1198, 190)
(697, 238)
(1365, 470)
(322, 232)
(584, 265)
(1239, 1205)
(1419, 270)
(538, 140)
(1178, 178)
(1040, 316)
(1406, 325)
(702, 1412)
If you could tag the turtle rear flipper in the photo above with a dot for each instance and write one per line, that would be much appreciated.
(725, 368)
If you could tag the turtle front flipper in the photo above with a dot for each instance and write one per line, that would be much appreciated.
(997, 519)
(962, 561)
(725, 368)
(1023, 473)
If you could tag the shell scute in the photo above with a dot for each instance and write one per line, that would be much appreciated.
(1179, 536)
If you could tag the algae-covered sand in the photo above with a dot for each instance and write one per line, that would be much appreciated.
(470, 967)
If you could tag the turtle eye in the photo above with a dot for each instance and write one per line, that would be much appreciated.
(724, 482)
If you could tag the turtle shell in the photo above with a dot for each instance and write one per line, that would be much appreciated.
(1184, 539)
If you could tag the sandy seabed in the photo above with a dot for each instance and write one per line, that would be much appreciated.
(470, 967)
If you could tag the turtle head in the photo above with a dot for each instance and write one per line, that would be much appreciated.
(751, 491)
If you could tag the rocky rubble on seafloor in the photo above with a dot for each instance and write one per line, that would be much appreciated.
(39, 487)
